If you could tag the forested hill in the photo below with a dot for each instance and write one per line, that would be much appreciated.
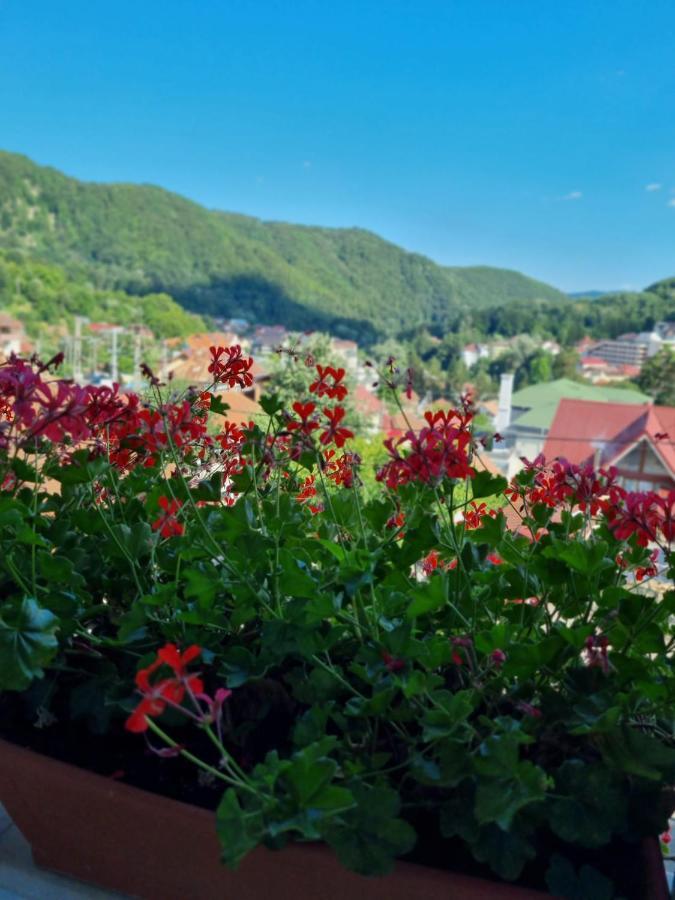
(144, 239)
(42, 294)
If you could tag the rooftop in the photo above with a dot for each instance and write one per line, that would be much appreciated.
(581, 428)
(541, 400)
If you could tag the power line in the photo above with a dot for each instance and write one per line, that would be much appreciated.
(593, 441)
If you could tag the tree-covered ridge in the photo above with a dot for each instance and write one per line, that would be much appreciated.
(605, 317)
(140, 238)
(40, 294)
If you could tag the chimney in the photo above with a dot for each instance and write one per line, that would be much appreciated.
(505, 391)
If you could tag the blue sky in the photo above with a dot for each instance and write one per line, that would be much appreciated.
(506, 132)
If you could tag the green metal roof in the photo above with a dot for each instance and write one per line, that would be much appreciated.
(541, 400)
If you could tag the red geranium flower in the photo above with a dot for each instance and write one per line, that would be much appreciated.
(167, 524)
(158, 695)
(333, 388)
(229, 366)
(306, 425)
(335, 432)
(391, 663)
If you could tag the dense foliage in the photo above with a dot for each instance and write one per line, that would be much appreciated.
(605, 317)
(368, 670)
(42, 295)
(658, 377)
(143, 239)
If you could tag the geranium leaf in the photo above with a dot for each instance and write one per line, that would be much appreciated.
(27, 643)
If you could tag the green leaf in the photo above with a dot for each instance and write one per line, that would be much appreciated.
(239, 830)
(584, 558)
(27, 643)
(589, 884)
(368, 838)
(294, 577)
(428, 597)
(506, 852)
(594, 808)
(218, 405)
(450, 713)
(483, 484)
(309, 776)
(57, 568)
(638, 753)
(201, 585)
(498, 800)
(271, 404)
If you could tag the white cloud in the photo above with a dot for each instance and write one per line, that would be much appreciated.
(307, 164)
(573, 195)
(653, 186)
(671, 202)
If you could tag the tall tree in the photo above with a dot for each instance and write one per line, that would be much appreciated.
(658, 377)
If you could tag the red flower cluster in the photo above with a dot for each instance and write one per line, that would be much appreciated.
(563, 483)
(461, 647)
(432, 562)
(142, 434)
(440, 450)
(392, 663)
(649, 570)
(171, 691)
(307, 424)
(475, 515)
(396, 521)
(329, 383)
(341, 470)
(56, 410)
(335, 433)
(167, 524)
(229, 366)
(595, 649)
(649, 516)
(307, 493)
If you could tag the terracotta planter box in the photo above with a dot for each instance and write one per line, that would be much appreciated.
(125, 839)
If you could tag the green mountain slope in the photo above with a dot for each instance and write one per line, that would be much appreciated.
(141, 239)
(41, 294)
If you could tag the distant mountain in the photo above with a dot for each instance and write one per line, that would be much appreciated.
(664, 289)
(142, 239)
(589, 295)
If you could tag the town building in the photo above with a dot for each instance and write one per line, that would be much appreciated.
(639, 441)
(628, 349)
(524, 417)
(348, 352)
(599, 371)
(12, 335)
(472, 353)
(268, 338)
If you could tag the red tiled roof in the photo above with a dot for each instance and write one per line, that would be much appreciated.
(628, 369)
(242, 409)
(582, 427)
(9, 322)
(397, 425)
(367, 402)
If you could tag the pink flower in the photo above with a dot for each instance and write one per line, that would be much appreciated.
(498, 657)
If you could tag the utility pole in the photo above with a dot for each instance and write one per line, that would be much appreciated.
(137, 353)
(93, 355)
(77, 349)
(114, 371)
(164, 365)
